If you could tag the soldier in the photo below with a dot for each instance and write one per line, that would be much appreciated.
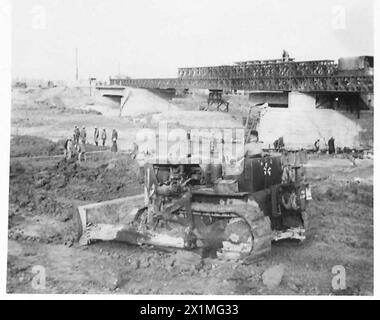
(114, 145)
(316, 145)
(253, 147)
(114, 134)
(83, 135)
(331, 144)
(81, 149)
(279, 144)
(285, 56)
(76, 135)
(104, 136)
(135, 150)
(69, 148)
(65, 147)
(96, 136)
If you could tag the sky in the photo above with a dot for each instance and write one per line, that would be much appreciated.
(152, 38)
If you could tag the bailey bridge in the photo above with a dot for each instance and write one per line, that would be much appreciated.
(321, 77)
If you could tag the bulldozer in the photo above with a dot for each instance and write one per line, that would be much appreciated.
(232, 208)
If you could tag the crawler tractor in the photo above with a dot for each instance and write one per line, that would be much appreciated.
(232, 208)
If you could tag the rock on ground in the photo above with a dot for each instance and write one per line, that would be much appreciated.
(186, 260)
(272, 277)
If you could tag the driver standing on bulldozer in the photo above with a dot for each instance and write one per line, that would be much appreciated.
(279, 144)
(253, 147)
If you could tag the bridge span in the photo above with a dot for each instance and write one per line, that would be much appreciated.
(318, 76)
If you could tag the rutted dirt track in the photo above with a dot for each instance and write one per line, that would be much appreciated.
(44, 195)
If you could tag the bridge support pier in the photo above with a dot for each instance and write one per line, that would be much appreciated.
(277, 99)
(301, 100)
(292, 99)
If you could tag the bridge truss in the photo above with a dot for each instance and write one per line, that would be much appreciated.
(306, 76)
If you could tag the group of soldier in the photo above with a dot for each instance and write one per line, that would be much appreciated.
(330, 144)
(77, 143)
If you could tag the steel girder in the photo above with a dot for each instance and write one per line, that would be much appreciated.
(284, 69)
(332, 83)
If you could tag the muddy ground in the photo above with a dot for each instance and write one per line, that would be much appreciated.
(44, 194)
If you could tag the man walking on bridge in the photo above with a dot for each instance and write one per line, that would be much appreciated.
(285, 56)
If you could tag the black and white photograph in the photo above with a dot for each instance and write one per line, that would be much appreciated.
(189, 148)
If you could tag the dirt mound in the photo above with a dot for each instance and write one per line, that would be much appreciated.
(142, 102)
(51, 190)
(139, 101)
(108, 180)
(28, 146)
(76, 98)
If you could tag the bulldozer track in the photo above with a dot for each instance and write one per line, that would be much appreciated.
(258, 224)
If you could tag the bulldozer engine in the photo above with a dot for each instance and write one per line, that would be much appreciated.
(204, 206)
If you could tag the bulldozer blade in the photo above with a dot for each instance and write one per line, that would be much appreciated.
(121, 233)
(292, 234)
(113, 221)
